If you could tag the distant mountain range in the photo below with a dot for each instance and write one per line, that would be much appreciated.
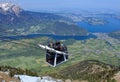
(15, 19)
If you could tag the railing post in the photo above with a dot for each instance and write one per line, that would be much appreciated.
(55, 60)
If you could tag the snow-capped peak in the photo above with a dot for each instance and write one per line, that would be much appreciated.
(6, 6)
(10, 8)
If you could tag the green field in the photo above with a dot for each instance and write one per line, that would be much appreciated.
(26, 54)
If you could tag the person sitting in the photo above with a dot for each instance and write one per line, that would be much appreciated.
(58, 46)
(51, 45)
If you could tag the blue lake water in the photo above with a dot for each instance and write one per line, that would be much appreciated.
(112, 25)
(56, 37)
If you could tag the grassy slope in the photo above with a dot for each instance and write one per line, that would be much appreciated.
(93, 71)
(17, 55)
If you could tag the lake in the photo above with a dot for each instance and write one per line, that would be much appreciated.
(112, 25)
(56, 37)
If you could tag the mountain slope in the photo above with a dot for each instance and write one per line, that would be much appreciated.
(15, 19)
(91, 70)
(115, 35)
(26, 54)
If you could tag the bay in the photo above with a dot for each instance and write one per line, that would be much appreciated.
(112, 24)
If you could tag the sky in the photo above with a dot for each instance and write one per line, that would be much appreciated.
(67, 4)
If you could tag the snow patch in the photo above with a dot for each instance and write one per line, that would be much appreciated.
(26, 78)
(6, 6)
